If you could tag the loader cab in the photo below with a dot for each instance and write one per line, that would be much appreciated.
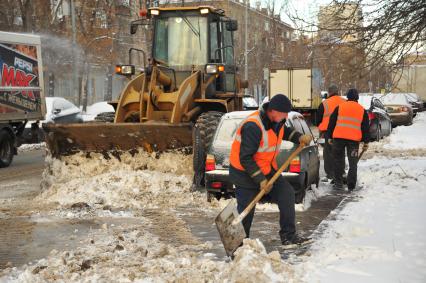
(196, 38)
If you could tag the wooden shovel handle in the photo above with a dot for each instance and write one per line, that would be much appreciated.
(270, 183)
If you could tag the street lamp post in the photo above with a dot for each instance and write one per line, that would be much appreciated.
(246, 43)
(74, 46)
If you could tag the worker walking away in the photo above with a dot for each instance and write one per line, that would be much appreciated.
(324, 112)
(348, 126)
(253, 163)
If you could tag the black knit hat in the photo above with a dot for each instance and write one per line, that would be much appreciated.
(280, 103)
(352, 94)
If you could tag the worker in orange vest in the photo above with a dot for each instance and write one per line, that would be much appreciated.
(323, 116)
(252, 163)
(348, 126)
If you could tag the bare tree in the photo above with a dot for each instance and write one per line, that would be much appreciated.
(381, 32)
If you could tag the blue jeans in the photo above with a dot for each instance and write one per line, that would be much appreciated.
(282, 194)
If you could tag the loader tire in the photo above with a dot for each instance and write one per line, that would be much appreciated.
(6, 149)
(107, 117)
(202, 136)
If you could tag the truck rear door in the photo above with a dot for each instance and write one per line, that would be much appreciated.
(301, 88)
(279, 82)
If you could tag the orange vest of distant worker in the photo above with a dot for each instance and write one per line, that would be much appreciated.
(269, 146)
(329, 105)
(349, 120)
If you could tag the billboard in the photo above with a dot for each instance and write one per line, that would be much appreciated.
(19, 79)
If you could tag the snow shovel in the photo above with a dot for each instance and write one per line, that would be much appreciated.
(228, 222)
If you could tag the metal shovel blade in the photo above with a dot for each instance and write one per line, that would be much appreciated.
(232, 235)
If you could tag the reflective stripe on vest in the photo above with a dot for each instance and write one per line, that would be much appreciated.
(349, 120)
(268, 149)
(330, 105)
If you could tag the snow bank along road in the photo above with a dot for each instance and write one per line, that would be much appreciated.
(376, 236)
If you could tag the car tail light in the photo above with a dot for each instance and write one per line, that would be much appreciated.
(403, 109)
(216, 185)
(210, 163)
(371, 116)
(295, 165)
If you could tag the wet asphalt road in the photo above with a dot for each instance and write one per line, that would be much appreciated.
(26, 237)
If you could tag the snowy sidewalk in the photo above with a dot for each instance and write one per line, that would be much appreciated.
(379, 237)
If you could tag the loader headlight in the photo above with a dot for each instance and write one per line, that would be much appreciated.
(155, 12)
(125, 70)
(214, 69)
(204, 11)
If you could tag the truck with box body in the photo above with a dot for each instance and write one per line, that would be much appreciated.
(302, 86)
(21, 89)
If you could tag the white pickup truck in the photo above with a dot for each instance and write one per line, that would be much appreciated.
(21, 89)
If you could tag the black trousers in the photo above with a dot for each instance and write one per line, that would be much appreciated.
(282, 194)
(352, 147)
(328, 159)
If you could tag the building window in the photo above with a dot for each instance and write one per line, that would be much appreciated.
(101, 18)
(266, 26)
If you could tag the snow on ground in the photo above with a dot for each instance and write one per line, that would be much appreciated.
(133, 255)
(376, 236)
(31, 147)
(379, 236)
(311, 195)
(409, 137)
(133, 182)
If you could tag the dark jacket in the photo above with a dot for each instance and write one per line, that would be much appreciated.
(365, 126)
(251, 136)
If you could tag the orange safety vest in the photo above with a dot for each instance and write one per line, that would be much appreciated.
(269, 146)
(349, 120)
(329, 105)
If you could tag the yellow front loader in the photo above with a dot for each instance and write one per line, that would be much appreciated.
(174, 101)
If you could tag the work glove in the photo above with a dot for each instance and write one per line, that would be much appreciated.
(305, 139)
(365, 146)
(265, 187)
(330, 141)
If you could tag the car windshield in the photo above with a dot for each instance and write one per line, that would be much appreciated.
(394, 98)
(181, 40)
(365, 101)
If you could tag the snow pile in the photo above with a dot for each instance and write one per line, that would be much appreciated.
(379, 236)
(135, 182)
(128, 255)
(31, 147)
(409, 137)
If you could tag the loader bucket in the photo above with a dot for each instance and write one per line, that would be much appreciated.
(103, 137)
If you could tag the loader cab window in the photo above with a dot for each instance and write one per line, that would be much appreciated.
(214, 42)
(227, 41)
(181, 40)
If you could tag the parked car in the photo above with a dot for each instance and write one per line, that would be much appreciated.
(302, 172)
(249, 103)
(416, 102)
(99, 110)
(380, 121)
(61, 110)
(58, 110)
(398, 107)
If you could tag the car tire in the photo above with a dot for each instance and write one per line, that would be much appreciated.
(301, 192)
(202, 135)
(211, 196)
(6, 148)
